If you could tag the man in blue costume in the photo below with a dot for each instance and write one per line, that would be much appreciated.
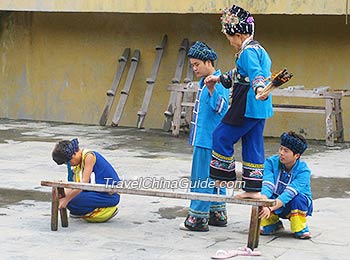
(287, 179)
(245, 119)
(210, 107)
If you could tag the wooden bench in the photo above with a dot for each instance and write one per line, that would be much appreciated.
(331, 109)
(182, 92)
(58, 188)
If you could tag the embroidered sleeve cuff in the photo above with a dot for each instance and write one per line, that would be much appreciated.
(267, 189)
(259, 81)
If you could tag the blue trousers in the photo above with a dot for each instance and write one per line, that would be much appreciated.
(225, 136)
(295, 210)
(199, 183)
(87, 201)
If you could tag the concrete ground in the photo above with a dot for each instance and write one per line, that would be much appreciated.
(148, 227)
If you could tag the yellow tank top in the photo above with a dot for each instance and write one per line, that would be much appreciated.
(78, 169)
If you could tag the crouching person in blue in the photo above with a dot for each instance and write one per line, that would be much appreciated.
(81, 163)
(287, 179)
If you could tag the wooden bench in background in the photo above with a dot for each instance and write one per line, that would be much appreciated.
(58, 188)
(331, 109)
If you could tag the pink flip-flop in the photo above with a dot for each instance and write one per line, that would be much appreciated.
(223, 254)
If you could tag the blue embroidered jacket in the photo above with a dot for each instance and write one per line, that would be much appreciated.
(278, 183)
(207, 113)
(253, 65)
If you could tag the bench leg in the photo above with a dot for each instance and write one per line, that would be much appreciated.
(54, 209)
(338, 120)
(329, 123)
(254, 228)
(63, 212)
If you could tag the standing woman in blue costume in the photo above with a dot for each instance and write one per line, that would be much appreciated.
(81, 163)
(210, 107)
(246, 117)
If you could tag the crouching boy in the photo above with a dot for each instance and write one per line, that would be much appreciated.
(287, 179)
(81, 163)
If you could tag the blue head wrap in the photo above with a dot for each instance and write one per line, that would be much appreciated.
(201, 51)
(72, 148)
(293, 143)
(237, 20)
(64, 151)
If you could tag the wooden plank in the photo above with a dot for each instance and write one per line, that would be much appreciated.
(292, 88)
(189, 74)
(126, 89)
(294, 92)
(321, 89)
(187, 104)
(184, 87)
(169, 113)
(299, 110)
(186, 112)
(158, 193)
(116, 80)
(305, 94)
(181, 61)
(54, 208)
(254, 228)
(344, 92)
(150, 83)
(299, 106)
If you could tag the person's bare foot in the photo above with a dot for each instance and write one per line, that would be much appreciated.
(246, 195)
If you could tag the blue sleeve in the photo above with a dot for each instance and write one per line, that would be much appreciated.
(297, 185)
(268, 184)
(219, 99)
(251, 64)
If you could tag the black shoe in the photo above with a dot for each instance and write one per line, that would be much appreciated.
(218, 218)
(196, 224)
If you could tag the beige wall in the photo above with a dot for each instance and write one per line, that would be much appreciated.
(58, 66)
(335, 7)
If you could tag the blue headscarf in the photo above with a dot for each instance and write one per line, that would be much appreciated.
(201, 51)
(64, 151)
(72, 148)
(293, 143)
